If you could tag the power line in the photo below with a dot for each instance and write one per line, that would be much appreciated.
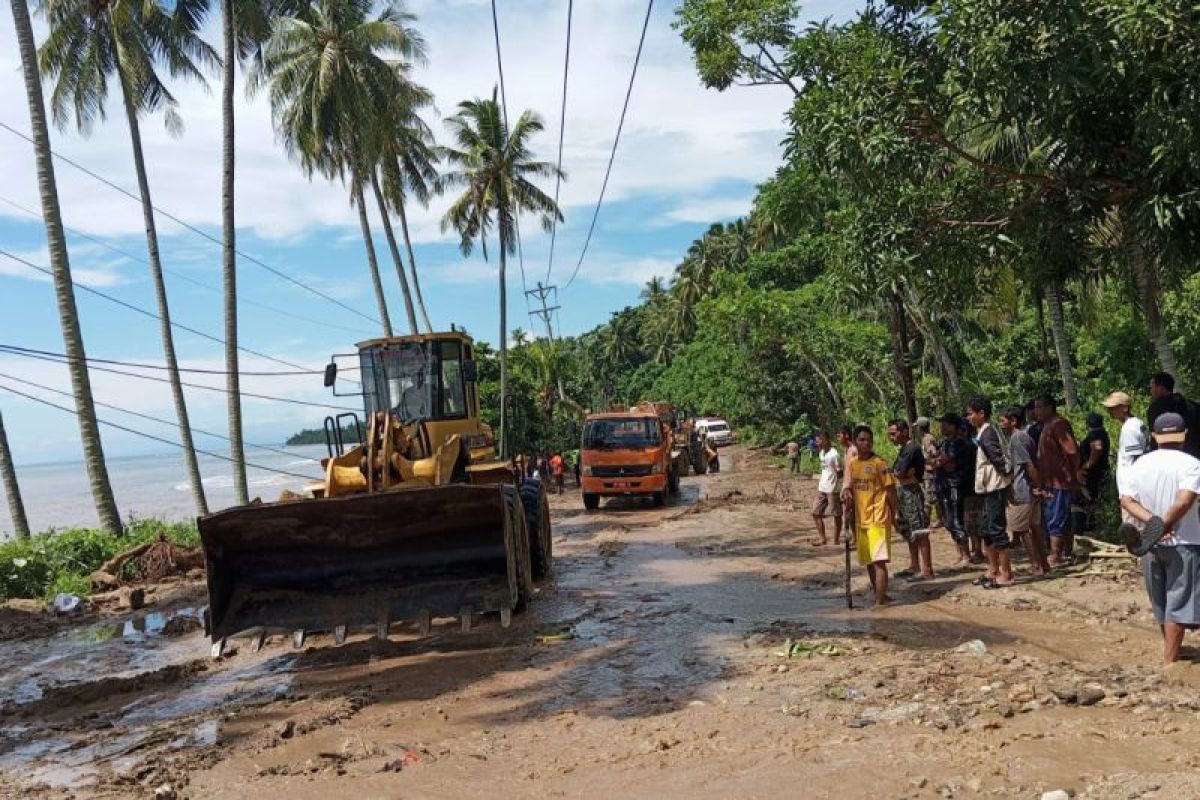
(616, 140)
(147, 313)
(182, 275)
(193, 228)
(141, 365)
(184, 383)
(504, 111)
(173, 423)
(562, 126)
(151, 436)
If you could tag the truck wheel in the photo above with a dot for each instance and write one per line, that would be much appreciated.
(591, 501)
(516, 518)
(673, 481)
(537, 523)
(659, 498)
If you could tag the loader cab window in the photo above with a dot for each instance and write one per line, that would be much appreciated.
(405, 384)
(452, 391)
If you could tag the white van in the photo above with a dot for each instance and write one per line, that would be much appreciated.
(716, 431)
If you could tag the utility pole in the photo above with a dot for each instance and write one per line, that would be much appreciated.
(544, 314)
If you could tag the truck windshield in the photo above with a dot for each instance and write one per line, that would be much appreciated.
(615, 434)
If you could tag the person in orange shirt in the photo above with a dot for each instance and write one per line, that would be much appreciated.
(557, 467)
(873, 489)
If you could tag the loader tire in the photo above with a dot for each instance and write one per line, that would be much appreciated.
(516, 517)
(700, 463)
(537, 523)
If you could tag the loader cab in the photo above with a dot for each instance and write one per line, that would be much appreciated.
(420, 378)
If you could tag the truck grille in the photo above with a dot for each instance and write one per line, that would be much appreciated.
(633, 471)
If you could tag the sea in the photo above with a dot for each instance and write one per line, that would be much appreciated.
(57, 495)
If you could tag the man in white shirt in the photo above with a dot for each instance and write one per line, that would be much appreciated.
(1164, 484)
(827, 501)
(1131, 445)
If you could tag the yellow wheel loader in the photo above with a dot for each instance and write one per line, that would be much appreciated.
(418, 520)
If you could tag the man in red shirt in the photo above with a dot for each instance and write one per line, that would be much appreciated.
(1058, 467)
(557, 467)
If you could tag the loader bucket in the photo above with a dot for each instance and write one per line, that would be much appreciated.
(360, 560)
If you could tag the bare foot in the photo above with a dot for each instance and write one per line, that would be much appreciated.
(817, 542)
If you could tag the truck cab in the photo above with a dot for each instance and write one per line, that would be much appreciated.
(627, 453)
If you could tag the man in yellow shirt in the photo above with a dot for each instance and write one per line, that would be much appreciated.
(874, 492)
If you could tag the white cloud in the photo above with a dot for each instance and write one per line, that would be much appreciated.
(91, 265)
(628, 272)
(717, 209)
(679, 137)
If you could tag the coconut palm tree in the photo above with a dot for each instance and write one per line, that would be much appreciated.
(60, 266)
(331, 89)
(493, 167)
(92, 41)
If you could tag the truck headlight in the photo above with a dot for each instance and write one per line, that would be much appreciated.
(587, 470)
(656, 469)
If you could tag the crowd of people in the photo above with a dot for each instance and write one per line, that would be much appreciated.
(550, 468)
(994, 478)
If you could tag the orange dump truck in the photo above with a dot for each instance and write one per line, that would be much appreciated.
(630, 452)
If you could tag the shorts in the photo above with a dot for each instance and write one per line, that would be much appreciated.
(1021, 517)
(826, 501)
(1057, 510)
(991, 519)
(950, 507)
(874, 546)
(973, 507)
(910, 516)
(1172, 580)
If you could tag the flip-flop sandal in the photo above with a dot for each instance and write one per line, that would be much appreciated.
(1140, 542)
(982, 580)
(905, 573)
(918, 579)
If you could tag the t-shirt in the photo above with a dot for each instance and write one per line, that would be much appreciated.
(1021, 450)
(1177, 404)
(556, 464)
(831, 468)
(1099, 471)
(1131, 444)
(1058, 455)
(954, 474)
(1155, 479)
(929, 448)
(871, 480)
(910, 462)
(793, 449)
(851, 455)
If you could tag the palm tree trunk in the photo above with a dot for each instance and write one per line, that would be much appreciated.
(391, 240)
(160, 294)
(1145, 272)
(12, 491)
(64, 292)
(412, 264)
(1062, 344)
(237, 451)
(899, 326)
(503, 346)
(1040, 313)
(372, 261)
(942, 353)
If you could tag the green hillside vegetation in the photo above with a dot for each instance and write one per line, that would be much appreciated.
(974, 198)
(317, 436)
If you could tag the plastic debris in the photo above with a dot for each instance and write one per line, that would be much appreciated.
(65, 603)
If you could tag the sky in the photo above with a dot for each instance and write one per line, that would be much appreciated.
(688, 157)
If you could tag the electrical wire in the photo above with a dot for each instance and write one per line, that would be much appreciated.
(221, 389)
(562, 126)
(152, 437)
(616, 140)
(18, 350)
(147, 313)
(193, 228)
(184, 276)
(504, 112)
(151, 418)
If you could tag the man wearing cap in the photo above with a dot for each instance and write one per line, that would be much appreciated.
(1131, 444)
(1164, 484)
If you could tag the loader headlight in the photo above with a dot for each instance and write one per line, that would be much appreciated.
(656, 469)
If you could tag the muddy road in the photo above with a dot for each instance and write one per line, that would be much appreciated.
(702, 650)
